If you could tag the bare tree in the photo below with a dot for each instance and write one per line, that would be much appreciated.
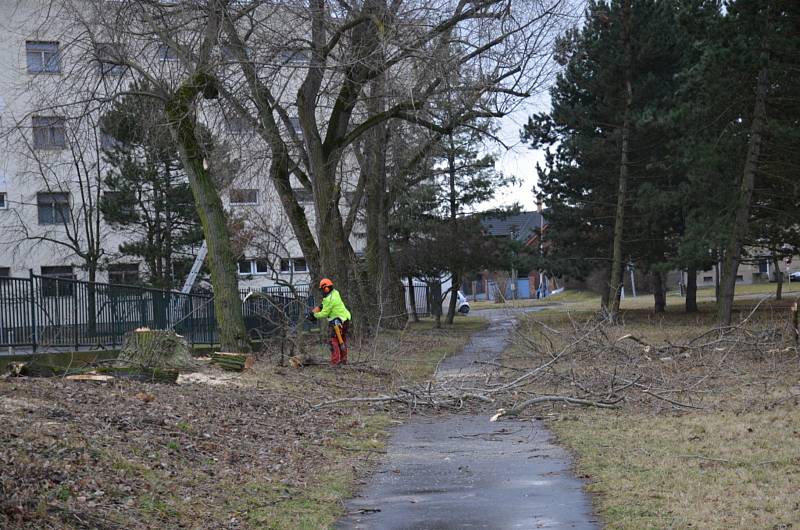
(62, 157)
(367, 64)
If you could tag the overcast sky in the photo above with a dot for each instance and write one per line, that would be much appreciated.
(519, 160)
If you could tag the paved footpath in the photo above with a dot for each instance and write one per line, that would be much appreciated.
(462, 471)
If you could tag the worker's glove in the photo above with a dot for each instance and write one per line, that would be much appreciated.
(310, 317)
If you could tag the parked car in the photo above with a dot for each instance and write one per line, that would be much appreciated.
(462, 305)
(794, 276)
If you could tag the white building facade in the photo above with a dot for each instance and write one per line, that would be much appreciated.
(53, 81)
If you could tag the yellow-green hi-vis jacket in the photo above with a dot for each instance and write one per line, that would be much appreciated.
(333, 307)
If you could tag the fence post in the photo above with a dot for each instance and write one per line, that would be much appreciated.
(33, 310)
(76, 318)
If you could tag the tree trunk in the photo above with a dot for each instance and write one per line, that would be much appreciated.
(436, 301)
(221, 260)
(91, 299)
(615, 285)
(455, 279)
(778, 277)
(691, 290)
(412, 300)
(733, 247)
(604, 300)
(382, 280)
(659, 292)
(451, 309)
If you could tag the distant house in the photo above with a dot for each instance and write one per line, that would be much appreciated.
(525, 227)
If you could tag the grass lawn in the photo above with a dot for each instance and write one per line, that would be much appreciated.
(727, 457)
(590, 301)
(233, 450)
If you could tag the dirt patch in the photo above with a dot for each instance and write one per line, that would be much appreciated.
(216, 451)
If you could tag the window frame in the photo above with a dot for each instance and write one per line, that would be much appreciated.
(51, 287)
(63, 207)
(105, 52)
(253, 265)
(303, 196)
(49, 133)
(121, 270)
(167, 53)
(294, 57)
(3, 200)
(48, 65)
(297, 127)
(295, 261)
(237, 202)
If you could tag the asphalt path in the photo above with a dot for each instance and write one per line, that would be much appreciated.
(462, 472)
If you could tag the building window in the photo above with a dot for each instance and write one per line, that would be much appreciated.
(303, 196)
(42, 57)
(109, 57)
(242, 196)
(167, 53)
(5, 272)
(295, 122)
(3, 200)
(123, 273)
(289, 265)
(230, 55)
(53, 208)
(237, 125)
(294, 57)
(107, 140)
(49, 132)
(253, 266)
(299, 265)
(58, 281)
(708, 279)
(739, 278)
(121, 203)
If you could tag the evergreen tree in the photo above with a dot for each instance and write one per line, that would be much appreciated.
(615, 89)
(149, 198)
(433, 229)
(739, 114)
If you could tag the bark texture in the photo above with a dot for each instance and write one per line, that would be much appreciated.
(733, 248)
(221, 259)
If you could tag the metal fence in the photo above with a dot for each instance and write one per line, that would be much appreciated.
(422, 300)
(47, 312)
(267, 310)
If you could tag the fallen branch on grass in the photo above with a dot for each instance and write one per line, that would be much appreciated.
(516, 409)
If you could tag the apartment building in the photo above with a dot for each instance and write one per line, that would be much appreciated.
(55, 77)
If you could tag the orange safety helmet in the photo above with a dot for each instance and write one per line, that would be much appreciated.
(325, 283)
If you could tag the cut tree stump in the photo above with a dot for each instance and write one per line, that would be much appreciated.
(156, 348)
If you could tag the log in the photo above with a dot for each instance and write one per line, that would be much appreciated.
(233, 361)
(90, 377)
(145, 375)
